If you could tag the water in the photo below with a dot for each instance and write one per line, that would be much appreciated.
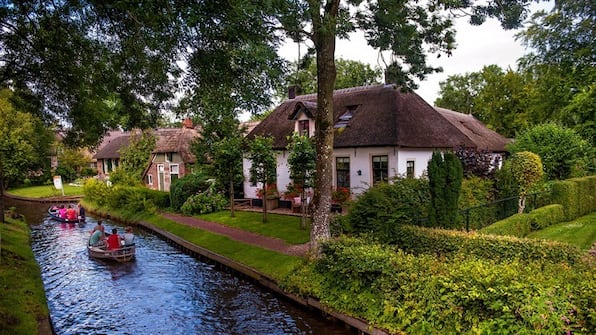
(162, 291)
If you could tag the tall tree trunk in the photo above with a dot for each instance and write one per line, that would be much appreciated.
(324, 31)
(231, 189)
(265, 218)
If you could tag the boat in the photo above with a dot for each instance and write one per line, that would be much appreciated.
(124, 254)
(53, 213)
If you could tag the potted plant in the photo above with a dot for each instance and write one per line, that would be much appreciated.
(271, 195)
(339, 197)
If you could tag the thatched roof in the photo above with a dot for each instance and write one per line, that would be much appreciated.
(383, 115)
(168, 140)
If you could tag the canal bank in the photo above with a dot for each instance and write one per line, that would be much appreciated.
(245, 271)
(243, 237)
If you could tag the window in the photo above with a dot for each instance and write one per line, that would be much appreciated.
(380, 169)
(150, 179)
(174, 171)
(169, 156)
(342, 169)
(303, 128)
(410, 169)
(344, 119)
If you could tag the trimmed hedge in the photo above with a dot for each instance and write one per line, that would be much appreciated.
(543, 217)
(419, 240)
(425, 294)
(577, 195)
(518, 225)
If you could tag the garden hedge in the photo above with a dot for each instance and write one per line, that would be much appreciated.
(577, 195)
(420, 240)
(518, 225)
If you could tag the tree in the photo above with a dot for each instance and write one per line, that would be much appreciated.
(445, 174)
(459, 92)
(562, 151)
(562, 62)
(350, 73)
(263, 168)
(301, 160)
(74, 158)
(227, 163)
(119, 60)
(17, 139)
(527, 171)
(498, 98)
(135, 158)
(405, 29)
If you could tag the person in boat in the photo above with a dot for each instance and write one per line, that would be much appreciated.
(114, 240)
(81, 211)
(128, 237)
(62, 211)
(71, 213)
(96, 238)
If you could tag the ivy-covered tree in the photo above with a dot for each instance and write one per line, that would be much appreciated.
(263, 166)
(562, 151)
(445, 174)
(301, 159)
(526, 168)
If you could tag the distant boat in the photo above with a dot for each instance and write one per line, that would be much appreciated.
(55, 215)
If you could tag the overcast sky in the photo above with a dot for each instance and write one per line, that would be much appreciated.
(477, 46)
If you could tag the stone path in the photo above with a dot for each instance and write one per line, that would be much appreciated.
(240, 235)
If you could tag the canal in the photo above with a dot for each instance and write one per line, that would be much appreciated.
(163, 291)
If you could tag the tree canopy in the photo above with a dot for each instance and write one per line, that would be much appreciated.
(101, 64)
(553, 83)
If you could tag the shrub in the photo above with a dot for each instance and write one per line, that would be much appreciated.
(426, 294)
(96, 191)
(68, 174)
(383, 207)
(204, 203)
(186, 186)
(543, 217)
(419, 240)
(518, 225)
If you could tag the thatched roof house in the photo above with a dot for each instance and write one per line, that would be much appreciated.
(380, 132)
(382, 115)
(169, 160)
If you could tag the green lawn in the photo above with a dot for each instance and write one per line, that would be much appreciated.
(45, 191)
(284, 227)
(580, 232)
(22, 297)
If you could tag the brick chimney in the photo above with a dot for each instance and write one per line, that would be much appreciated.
(293, 91)
(187, 123)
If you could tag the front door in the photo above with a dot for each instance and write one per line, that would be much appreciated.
(160, 176)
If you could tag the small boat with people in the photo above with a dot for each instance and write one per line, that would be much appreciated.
(67, 213)
(112, 247)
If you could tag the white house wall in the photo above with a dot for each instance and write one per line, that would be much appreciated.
(360, 160)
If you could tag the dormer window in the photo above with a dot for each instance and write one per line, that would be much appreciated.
(303, 128)
(346, 117)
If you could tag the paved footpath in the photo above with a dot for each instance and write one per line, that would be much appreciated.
(240, 235)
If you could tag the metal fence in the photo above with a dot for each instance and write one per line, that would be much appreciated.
(477, 217)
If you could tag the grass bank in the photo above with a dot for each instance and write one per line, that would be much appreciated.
(580, 232)
(23, 306)
(284, 227)
(270, 263)
(46, 191)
